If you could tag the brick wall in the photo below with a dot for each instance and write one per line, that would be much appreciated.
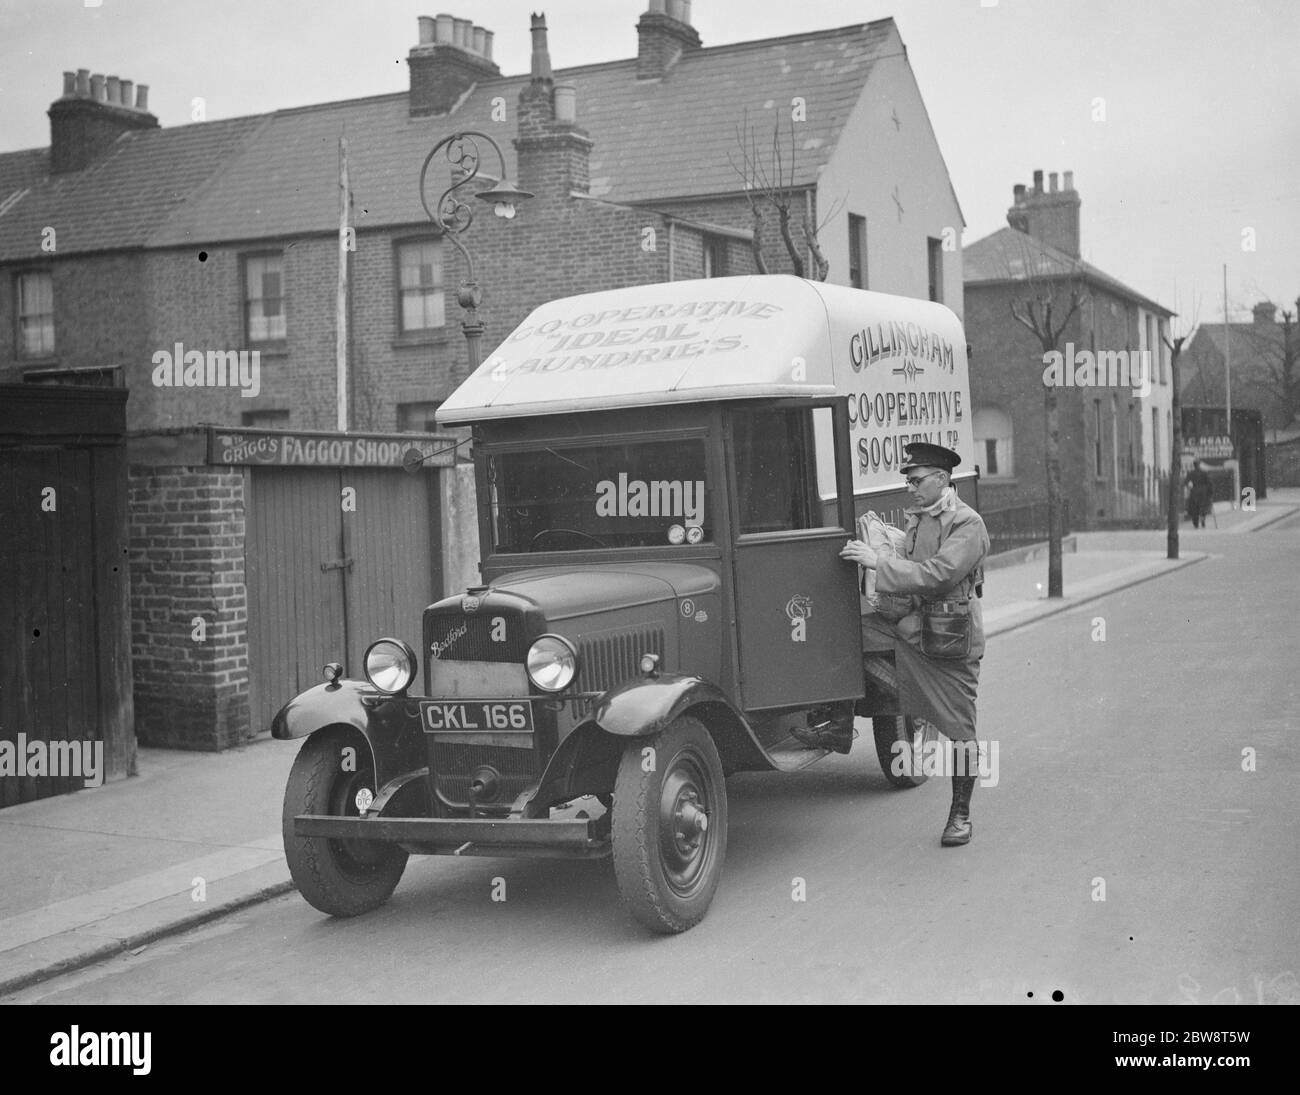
(555, 246)
(733, 212)
(1006, 373)
(187, 561)
(99, 313)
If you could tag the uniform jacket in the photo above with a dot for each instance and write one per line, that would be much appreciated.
(951, 571)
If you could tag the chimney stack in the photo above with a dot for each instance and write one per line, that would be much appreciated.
(664, 33)
(92, 113)
(1051, 217)
(450, 57)
(553, 153)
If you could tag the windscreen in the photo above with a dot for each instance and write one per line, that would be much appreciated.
(612, 495)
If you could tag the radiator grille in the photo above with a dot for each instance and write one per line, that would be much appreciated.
(608, 660)
(469, 639)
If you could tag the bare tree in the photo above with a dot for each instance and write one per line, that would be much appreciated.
(769, 188)
(1176, 437)
(1049, 304)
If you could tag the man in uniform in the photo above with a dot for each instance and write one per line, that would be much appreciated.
(945, 545)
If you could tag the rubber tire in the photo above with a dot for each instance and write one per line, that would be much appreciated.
(638, 862)
(324, 871)
(890, 729)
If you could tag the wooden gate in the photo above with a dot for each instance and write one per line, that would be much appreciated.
(65, 643)
(324, 580)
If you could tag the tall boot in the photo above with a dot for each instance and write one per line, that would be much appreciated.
(958, 830)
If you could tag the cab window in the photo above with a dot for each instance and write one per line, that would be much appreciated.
(579, 497)
(776, 470)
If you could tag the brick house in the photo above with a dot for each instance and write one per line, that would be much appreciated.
(1115, 440)
(1263, 352)
(125, 240)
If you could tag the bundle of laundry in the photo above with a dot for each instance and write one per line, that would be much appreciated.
(887, 542)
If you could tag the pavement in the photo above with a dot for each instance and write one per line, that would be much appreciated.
(195, 836)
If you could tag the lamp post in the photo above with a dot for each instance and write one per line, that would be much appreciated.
(453, 216)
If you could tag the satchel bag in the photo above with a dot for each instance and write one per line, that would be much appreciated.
(946, 628)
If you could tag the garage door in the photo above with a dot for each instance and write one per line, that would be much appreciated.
(324, 581)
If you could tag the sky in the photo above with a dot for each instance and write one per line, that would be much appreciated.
(1179, 118)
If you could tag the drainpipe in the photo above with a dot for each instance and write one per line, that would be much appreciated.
(671, 248)
(808, 218)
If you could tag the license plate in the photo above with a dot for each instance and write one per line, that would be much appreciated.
(477, 716)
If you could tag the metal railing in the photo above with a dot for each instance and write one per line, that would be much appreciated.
(1135, 501)
(1012, 527)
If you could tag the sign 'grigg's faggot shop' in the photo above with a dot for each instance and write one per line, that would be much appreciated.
(295, 449)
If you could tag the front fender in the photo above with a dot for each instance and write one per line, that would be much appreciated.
(646, 705)
(389, 726)
(324, 705)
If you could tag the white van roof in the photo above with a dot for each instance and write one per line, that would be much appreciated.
(710, 339)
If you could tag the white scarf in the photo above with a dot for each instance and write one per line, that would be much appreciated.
(946, 501)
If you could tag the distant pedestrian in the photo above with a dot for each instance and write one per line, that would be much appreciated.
(1200, 495)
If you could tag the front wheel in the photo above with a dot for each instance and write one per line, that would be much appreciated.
(339, 877)
(901, 742)
(670, 826)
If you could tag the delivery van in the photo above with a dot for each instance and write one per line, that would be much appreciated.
(666, 475)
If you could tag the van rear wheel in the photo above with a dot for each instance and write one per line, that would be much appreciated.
(901, 741)
(670, 826)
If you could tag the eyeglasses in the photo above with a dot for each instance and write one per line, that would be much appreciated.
(915, 481)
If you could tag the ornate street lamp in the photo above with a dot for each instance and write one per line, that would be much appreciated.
(454, 216)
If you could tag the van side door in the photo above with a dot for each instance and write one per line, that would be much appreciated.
(797, 608)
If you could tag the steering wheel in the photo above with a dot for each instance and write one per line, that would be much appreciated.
(532, 544)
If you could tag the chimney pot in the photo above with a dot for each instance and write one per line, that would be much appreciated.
(1018, 193)
(566, 104)
(479, 39)
(1069, 180)
(1051, 182)
(142, 96)
(79, 132)
(541, 69)
(460, 32)
(686, 11)
(426, 25)
(1038, 182)
(657, 7)
(675, 10)
(445, 29)
(487, 44)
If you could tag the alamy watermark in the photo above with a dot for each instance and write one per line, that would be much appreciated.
(116, 1049)
(53, 759)
(656, 498)
(1103, 369)
(182, 368)
(942, 758)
